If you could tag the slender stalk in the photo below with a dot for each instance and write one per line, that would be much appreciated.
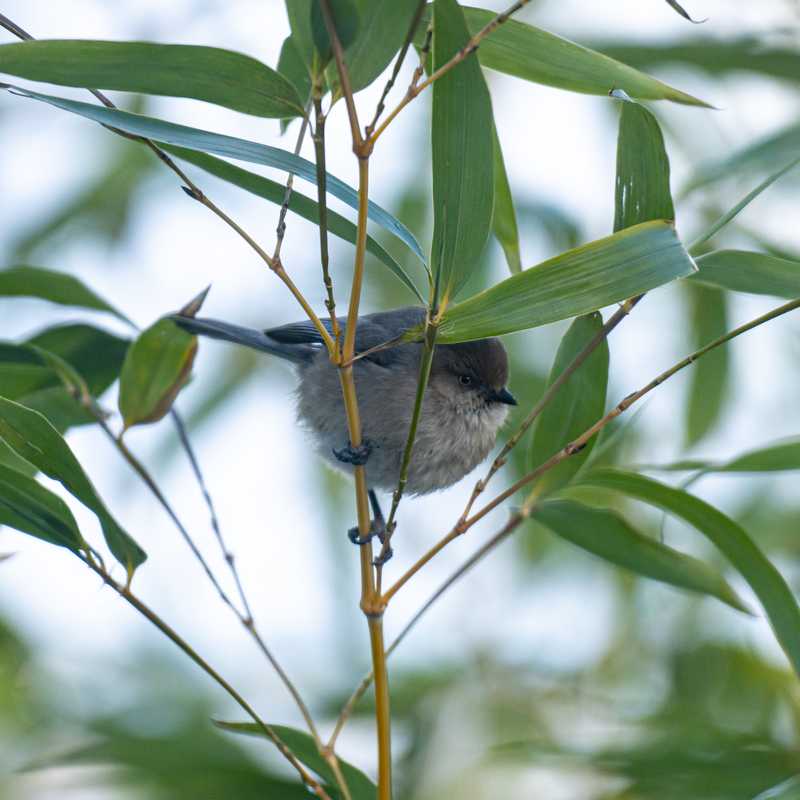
(401, 56)
(369, 597)
(422, 383)
(246, 619)
(281, 227)
(358, 693)
(467, 50)
(322, 202)
(178, 640)
(552, 390)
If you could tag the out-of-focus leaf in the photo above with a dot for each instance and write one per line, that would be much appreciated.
(764, 579)
(609, 536)
(773, 458)
(463, 171)
(730, 215)
(383, 25)
(680, 10)
(56, 287)
(745, 271)
(767, 154)
(37, 441)
(788, 790)
(222, 77)
(563, 230)
(709, 381)
(292, 67)
(156, 368)
(299, 13)
(602, 272)
(504, 217)
(22, 371)
(716, 56)
(28, 507)
(642, 190)
(577, 406)
(302, 745)
(345, 20)
(230, 146)
(298, 203)
(535, 55)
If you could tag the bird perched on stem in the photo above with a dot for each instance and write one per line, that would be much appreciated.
(465, 402)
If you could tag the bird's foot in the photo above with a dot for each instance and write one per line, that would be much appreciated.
(354, 535)
(357, 456)
(382, 557)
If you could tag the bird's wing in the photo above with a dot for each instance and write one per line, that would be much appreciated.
(299, 332)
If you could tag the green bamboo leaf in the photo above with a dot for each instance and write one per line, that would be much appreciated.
(767, 583)
(585, 279)
(29, 508)
(732, 213)
(776, 457)
(382, 30)
(504, 217)
(463, 168)
(22, 371)
(230, 146)
(157, 366)
(301, 205)
(767, 154)
(580, 403)
(788, 790)
(642, 190)
(745, 271)
(33, 438)
(608, 535)
(222, 77)
(299, 13)
(303, 746)
(293, 68)
(717, 56)
(709, 381)
(535, 55)
(56, 287)
(673, 4)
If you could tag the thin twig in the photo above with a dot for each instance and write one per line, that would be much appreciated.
(246, 619)
(171, 634)
(401, 56)
(548, 396)
(467, 50)
(426, 360)
(322, 203)
(479, 554)
(281, 227)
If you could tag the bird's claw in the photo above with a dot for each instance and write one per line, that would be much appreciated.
(382, 557)
(356, 538)
(357, 456)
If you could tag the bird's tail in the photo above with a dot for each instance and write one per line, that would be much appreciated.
(249, 337)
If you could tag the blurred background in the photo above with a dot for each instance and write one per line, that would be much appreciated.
(544, 673)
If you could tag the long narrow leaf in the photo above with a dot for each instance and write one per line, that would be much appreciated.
(535, 55)
(33, 438)
(578, 404)
(767, 583)
(222, 77)
(609, 536)
(56, 287)
(301, 205)
(462, 154)
(504, 217)
(606, 271)
(745, 271)
(28, 507)
(303, 746)
(222, 145)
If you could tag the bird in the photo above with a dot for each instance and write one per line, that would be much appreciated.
(464, 406)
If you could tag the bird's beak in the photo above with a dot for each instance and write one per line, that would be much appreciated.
(504, 396)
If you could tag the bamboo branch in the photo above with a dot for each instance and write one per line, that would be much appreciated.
(171, 634)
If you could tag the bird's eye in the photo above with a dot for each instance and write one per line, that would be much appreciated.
(465, 380)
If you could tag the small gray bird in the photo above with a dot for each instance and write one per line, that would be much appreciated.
(465, 403)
